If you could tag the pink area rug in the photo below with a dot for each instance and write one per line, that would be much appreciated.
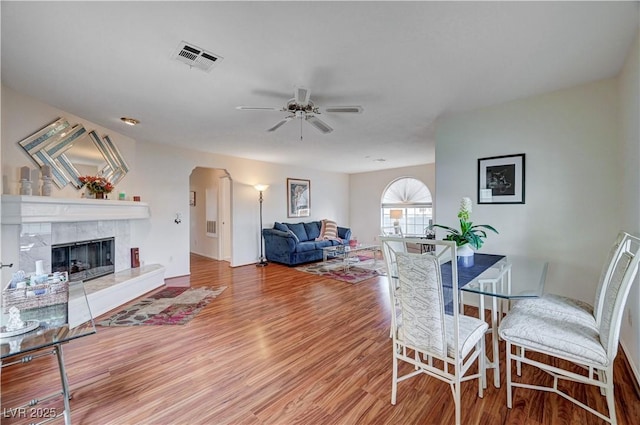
(362, 268)
(170, 306)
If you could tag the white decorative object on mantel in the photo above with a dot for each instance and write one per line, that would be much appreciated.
(18, 209)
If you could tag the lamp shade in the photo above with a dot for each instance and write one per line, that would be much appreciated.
(396, 214)
(261, 187)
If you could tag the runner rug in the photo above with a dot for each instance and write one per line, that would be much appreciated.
(362, 268)
(170, 306)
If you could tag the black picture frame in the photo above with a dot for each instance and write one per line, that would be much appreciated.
(501, 179)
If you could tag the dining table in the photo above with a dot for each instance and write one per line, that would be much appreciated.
(499, 280)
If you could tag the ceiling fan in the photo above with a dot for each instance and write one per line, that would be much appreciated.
(303, 108)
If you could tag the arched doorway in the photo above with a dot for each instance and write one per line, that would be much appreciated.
(210, 213)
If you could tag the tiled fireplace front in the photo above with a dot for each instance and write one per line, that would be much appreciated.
(37, 239)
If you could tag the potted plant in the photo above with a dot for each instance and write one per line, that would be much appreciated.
(469, 236)
(98, 186)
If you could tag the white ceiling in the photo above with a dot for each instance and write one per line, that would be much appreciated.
(405, 63)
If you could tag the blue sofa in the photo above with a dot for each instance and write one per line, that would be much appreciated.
(295, 243)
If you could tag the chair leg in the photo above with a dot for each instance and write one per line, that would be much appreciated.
(456, 395)
(508, 367)
(394, 382)
(611, 401)
(482, 370)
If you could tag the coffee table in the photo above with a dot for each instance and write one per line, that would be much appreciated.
(347, 253)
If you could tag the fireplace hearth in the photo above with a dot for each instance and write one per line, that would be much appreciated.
(84, 260)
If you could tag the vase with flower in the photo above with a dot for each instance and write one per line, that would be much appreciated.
(469, 236)
(96, 185)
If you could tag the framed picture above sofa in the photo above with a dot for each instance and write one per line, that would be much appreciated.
(298, 197)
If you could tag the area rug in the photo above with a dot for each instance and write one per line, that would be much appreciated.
(170, 306)
(361, 269)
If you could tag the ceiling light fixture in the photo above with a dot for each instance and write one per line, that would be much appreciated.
(130, 121)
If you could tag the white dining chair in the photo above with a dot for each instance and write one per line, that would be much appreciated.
(586, 340)
(575, 309)
(437, 344)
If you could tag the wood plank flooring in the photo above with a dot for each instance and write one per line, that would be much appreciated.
(279, 346)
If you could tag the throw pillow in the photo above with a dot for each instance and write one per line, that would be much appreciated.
(280, 226)
(329, 231)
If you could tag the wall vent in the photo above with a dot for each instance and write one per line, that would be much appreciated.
(196, 57)
(211, 227)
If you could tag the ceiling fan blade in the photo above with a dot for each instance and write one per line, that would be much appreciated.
(319, 124)
(302, 95)
(280, 124)
(258, 108)
(356, 109)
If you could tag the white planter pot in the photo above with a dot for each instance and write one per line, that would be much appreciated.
(465, 256)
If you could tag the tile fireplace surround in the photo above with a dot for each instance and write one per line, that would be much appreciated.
(32, 224)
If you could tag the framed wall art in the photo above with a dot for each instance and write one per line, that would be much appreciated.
(501, 179)
(298, 198)
(192, 198)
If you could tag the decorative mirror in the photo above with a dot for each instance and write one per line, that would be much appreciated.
(71, 152)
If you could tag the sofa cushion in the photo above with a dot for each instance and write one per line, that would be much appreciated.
(299, 230)
(313, 230)
(306, 246)
(293, 235)
(323, 244)
(280, 226)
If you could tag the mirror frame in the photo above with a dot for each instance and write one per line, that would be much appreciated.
(48, 145)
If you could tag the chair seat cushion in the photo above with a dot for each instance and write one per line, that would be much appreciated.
(569, 309)
(471, 330)
(558, 334)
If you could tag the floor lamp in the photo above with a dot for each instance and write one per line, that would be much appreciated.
(261, 188)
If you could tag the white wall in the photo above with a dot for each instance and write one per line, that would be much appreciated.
(366, 191)
(572, 183)
(629, 92)
(160, 175)
(579, 190)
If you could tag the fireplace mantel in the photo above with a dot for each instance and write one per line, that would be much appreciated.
(17, 209)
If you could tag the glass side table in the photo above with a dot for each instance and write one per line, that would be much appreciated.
(55, 327)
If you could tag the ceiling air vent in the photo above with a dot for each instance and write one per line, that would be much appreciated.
(196, 57)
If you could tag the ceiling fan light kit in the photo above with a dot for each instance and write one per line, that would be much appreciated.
(302, 107)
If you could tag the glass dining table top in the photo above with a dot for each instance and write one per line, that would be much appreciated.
(512, 277)
(55, 324)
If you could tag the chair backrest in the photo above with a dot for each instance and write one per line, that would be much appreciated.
(605, 276)
(421, 299)
(420, 294)
(618, 284)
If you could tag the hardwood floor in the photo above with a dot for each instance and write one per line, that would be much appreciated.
(279, 346)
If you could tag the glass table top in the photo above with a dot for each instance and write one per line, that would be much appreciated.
(56, 324)
(513, 277)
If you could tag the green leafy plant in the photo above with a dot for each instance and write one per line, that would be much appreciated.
(469, 233)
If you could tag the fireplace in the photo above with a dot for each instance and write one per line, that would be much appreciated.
(84, 260)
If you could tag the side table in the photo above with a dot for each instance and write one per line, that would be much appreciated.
(45, 340)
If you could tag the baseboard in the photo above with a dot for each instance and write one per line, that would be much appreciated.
(633, 368)
(180, 281)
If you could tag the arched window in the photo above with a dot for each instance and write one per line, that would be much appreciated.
(408, 202)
